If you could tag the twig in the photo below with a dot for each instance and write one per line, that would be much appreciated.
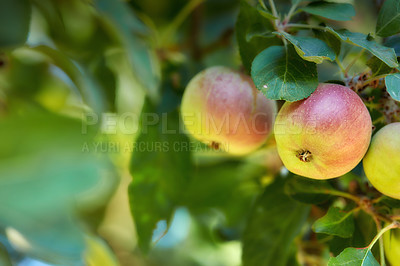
(273, 8)
(344, 195)
(290, 13)
(306, 26)
(354, 61)
(384, 230)
(373, 79)
(381, 250)
(179, 19)
(341, 66)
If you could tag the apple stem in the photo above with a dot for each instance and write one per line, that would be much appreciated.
(346, 71)
(381, 249)
(384, 230)
(345, 195)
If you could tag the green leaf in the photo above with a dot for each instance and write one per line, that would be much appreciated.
(89, 88)
(364, 232)
(273, 224)
(308, 190)
(258, 30)
(229, 186)
(335, 222)
(253, 33)
(265, 13)
(299, 1)
(394, 42)
(160, 171)
(334, 11)
(386, 54)
(4, 257)
(311, 49)
(377, 66)
(331, 40)
(280, 74)
(354, 257)
(15, 17)
(388, 19)
(392, 203)
(125, 24)
(45, 175)
(392, 82)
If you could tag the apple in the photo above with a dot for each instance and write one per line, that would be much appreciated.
(325, 135)
(391, 243)
(222, 108)
(382, 161)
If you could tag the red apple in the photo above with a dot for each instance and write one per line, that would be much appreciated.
(325, 135)
(223, 108)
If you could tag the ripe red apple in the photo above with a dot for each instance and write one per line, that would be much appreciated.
(223, 108)
(382, 161)
(325, 135)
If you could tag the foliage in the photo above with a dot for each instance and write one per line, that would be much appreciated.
(96, 167)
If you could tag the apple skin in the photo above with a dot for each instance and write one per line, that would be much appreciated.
(222, 108)
(382, 161)
(325, 135)
(391, 243)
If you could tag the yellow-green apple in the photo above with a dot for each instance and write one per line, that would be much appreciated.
(391, 243)
(382, 161)
(222, 108)
(325, 135)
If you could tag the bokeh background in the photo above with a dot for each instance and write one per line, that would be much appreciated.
(65, 193)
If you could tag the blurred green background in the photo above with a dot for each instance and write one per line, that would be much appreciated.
(71, 192)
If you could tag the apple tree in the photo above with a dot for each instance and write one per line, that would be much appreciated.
(200, 132)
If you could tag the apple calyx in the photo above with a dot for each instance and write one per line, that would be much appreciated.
(214, 145)
(304, 155)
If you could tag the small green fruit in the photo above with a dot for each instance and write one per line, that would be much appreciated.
(382, 161)
(391, 243)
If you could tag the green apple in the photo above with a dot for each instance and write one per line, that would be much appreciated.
(391, 243)
(325, 135)
(222, 107)
(382, 161)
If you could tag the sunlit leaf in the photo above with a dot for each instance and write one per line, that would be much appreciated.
(354, 257)
(280, 74)
(335, 222)
(392, 82)
(310, 49)
(385, 54)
